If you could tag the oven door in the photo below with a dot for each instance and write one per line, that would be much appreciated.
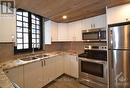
(93, 69)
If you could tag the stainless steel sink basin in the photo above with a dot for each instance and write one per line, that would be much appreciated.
(29, 58)
(42, 56)
(34, 57)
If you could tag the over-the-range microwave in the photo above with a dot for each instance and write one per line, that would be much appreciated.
(98, 34)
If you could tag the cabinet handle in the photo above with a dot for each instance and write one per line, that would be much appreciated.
(91, 26)
(7, 71)
(76, 58)
(42, 63)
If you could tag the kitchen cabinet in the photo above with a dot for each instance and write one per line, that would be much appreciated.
(53, 68)
(67, 64)
(94, 22)
(51, 31)
(59, 65)
(8, 28)
(118, 14)
(16, 75)
(74, 66)
(63, 32)
(75, 31)
(49, 70)
(47, 32)
(33, 75)
(54, 31)
(71, 65)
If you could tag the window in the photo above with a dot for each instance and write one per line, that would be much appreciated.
(29, 31)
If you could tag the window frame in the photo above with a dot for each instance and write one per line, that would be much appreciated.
(29, 49)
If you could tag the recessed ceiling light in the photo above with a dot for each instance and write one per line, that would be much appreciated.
(64, 17)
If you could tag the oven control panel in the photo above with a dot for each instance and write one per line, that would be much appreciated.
(103, 47)
(90, 47)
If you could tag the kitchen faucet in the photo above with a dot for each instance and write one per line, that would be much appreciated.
(33, 48)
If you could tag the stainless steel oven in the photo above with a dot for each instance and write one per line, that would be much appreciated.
(94, 34)
(93, 66)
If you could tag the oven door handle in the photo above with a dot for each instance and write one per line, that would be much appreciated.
(93, 61)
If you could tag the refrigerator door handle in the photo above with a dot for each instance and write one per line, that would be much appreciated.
(112, 61)
(110, 38)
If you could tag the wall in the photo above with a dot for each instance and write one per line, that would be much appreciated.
(7, 49)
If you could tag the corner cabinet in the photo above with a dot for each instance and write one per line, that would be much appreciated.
(71, 65)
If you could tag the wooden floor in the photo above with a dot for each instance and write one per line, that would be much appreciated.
(65, 82)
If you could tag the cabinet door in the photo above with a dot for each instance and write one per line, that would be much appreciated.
(8, 28)
(49, 70)
(59, 65)
(75, 31)
(16, 75)
(33, 75)
(67, 65)
(62, 31)
(118, 14)
(100, 21)
(48, 32)
(54, 31)
(74, 66)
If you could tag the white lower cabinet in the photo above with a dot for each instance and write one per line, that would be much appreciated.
(71, 65)
(74, 66)
(53, 68)
(49, 70)
(59, 65)
(40, 73)
(33, 75)
(16, 75)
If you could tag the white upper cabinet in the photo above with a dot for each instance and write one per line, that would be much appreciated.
(94, 22)
(7, 28)
(51, 31)
(47, 32)
(75, 31)
(63, 32)
(54, 31)
(118, 14)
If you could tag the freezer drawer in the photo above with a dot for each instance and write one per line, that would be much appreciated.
(119, 68)
(119, 37)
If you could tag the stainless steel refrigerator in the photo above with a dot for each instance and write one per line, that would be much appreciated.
(119, 55)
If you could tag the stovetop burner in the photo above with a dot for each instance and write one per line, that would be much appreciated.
(92, 54)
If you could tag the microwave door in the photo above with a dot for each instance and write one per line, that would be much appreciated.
(91, 36)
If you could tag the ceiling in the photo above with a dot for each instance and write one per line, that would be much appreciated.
(74, 9)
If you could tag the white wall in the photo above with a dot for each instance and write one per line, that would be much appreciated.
(118, 14)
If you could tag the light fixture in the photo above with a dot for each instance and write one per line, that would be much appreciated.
(64, 17)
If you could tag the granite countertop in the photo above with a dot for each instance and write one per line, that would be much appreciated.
(5, 82)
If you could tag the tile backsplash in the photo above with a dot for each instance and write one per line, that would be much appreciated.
(7, 49)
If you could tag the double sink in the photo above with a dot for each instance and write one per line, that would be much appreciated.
(30, 58)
